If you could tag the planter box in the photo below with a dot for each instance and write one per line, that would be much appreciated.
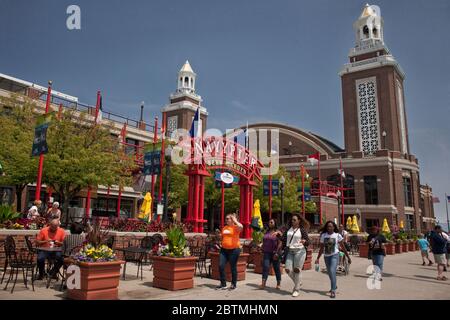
(364, 250)
(241, 266)
(258, 257)
(98, 281)
(405, 247)
(412, 246)
(398, 248)
(173, 273)
(390, 248)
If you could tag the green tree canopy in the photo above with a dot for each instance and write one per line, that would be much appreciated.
(17, 133)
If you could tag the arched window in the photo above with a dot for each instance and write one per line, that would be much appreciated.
(375, 32)
(366, 31)
(186, 82)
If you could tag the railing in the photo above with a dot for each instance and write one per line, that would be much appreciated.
(74, 105)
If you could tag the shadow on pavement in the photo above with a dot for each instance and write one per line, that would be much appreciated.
(269, 289)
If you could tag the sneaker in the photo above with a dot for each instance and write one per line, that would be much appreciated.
(423, 263)
(295, 293)
(221, 287)
(333, 295)
(232, 287)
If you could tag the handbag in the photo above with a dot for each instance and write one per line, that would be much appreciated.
(286, 248)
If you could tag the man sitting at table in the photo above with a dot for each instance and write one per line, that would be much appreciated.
(49, 237)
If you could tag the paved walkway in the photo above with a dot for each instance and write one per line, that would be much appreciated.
(404, 278)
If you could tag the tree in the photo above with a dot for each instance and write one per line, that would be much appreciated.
(82, 154)
(290, 194)
(17, 126)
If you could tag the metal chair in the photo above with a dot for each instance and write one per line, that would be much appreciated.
(132, 257)
(9, 241)
(19, 259)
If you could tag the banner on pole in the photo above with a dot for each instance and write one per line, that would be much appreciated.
(40, 135)
(275, 187)
(152, 163)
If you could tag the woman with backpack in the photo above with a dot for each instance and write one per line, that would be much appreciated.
(330, 241)
(295, 243)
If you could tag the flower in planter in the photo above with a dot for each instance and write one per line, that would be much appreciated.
(176, 243)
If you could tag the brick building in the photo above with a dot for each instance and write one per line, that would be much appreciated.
(381, 175)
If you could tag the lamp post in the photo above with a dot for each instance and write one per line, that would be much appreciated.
(338, 195)
(168, 158)
(384, 134)
(282, 181)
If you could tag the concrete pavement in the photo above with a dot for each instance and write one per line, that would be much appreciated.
(404, 278)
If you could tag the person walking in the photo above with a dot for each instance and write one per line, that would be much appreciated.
(230, 251)
(295, 242)
(271, 248)
(377, 251)
(439, 241)
(424, 246)
(330, 241)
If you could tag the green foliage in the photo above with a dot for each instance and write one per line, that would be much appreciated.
(7, 213)
(257, 236)
(16, 139)
(310, 207)
(81, 155)
(387, 235)
(176, 246)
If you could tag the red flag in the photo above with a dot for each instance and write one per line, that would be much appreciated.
(314, 156)
(436, 200)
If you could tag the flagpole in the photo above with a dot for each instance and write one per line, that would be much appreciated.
(37, 195)
(320, 190)
(97, 106)
(163, 133)
(270, 190)
(446, 207)
(342, 191)
(155, 139)
(303, 189)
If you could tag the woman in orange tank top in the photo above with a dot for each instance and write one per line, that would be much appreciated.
(230, 250)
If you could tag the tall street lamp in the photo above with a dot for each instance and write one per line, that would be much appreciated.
(282, 181)
(167, 158)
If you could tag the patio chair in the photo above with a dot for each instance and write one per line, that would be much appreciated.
(132, 241)
(9, 241)
(19, 260)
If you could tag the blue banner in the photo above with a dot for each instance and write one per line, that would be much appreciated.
(152, 163)
(275, 188)
(40, 140)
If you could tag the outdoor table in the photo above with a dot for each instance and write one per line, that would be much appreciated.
(49, 249)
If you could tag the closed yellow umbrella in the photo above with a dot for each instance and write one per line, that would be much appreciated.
(257, 215)
(355, 227)
(144, 212)
(385, 227)
(401, 225)
(349, 223)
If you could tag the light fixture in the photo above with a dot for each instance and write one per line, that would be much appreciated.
(282, 180)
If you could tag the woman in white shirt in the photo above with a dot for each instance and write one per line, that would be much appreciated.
(295, 241)
(330, 242)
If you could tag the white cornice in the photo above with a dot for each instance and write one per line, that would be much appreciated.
(183, 105)
(376, 62)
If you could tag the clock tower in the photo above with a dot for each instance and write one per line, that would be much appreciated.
(184, 103)
(372, 91)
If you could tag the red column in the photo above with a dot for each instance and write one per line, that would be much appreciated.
(155, 139)
(246, 205)
(303, 189)
(201, 203)
(270, 192)
(37, 195)
(88, 202)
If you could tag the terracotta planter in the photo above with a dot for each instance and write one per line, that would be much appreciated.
(405, 247)
(258, 257)
(98, 281)
(398, 248)
(173, 273)
(390, 248)
(364, 250)
(241, 266)
(412, 246)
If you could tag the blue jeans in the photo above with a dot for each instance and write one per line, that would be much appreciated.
(332, 262)
(267, 260)
(378, 260)
(231, 256)
(44, 255)
(294, 265)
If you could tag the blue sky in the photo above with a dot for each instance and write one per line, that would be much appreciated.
(256, 60)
